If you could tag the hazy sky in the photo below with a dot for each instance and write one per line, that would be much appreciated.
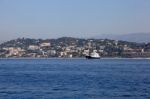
(76, 18)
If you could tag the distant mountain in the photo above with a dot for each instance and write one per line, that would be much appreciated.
(132, 37)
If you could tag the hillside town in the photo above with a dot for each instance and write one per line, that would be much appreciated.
(68, 47)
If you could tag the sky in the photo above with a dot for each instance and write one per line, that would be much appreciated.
(74, 18)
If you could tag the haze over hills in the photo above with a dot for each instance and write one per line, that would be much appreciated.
(132, 37)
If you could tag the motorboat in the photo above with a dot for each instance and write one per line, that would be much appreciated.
(93, 55)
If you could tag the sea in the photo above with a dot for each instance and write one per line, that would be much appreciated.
(74, 78)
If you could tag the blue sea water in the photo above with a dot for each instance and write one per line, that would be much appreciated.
(74, 79)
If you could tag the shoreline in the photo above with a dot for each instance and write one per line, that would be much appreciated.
(103, 58)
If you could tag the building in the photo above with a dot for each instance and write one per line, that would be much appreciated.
(15, 51)
(45, 44)
(33, 47)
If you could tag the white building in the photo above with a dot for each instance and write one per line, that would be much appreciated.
(46, 44)
(15, 51)
(33, 47)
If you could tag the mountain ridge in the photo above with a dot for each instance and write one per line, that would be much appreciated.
(131, 37)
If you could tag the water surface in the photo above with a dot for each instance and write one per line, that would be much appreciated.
(74, 79)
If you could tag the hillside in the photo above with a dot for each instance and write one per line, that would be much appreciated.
(72, 47)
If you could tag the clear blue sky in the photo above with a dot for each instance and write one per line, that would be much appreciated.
(76, 18)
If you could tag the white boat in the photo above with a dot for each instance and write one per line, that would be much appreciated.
(93, 55)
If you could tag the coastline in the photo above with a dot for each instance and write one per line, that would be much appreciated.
(103, 58)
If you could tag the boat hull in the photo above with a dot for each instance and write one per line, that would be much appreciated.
(90, 57)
